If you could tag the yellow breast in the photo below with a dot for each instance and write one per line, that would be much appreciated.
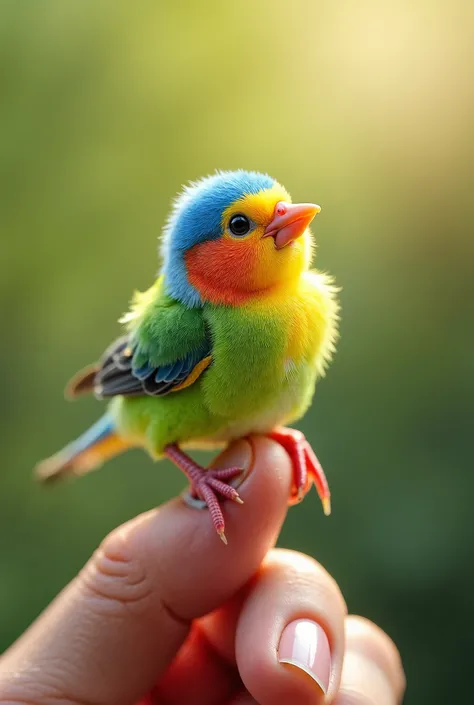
(309, 311)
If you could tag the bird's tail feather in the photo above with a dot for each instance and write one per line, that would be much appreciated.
(88, 452)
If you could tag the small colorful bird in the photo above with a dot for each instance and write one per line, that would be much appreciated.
(228, 341)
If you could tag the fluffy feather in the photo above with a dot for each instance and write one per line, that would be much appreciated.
(237, 329)
(196, 215)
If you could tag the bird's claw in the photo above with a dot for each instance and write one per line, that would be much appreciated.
(205, 485)
(217, 480)
(206, 488)
(306, 467)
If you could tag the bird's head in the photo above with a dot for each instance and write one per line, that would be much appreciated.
(232, 236)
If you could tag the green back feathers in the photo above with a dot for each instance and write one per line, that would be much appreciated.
(164, 330)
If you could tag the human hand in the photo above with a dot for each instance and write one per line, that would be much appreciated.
(165, 613)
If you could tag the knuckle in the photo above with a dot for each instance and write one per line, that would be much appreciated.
(114, 578)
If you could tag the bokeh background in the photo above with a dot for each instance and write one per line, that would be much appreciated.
(364, 107)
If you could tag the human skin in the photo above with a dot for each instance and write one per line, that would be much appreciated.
(163, 606)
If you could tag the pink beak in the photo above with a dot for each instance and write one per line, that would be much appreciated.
(289, 221)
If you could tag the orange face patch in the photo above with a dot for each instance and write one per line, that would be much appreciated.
(231, 270)
(221, 270)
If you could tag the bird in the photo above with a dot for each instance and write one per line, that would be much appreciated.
(229, 341)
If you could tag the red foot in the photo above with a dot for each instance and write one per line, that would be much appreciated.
(206, 484)
(306, 467)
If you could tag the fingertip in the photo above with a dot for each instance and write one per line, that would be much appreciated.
(270, 473)
(270, 454)
(290, 635)
(266, 467)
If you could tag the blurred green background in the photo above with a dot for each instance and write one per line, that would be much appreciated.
(364, 107)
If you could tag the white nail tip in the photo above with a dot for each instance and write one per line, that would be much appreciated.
(306, 670)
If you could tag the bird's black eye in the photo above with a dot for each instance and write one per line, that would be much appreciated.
(239, 225)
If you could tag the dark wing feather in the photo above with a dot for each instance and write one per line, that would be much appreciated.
(82, 382)
(116, 374)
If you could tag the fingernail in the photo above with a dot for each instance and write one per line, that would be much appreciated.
(304, 644)
(238, 455)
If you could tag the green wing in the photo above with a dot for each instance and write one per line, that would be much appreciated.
(166, 348)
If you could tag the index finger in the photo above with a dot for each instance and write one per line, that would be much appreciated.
(373, 671)
(114, 629)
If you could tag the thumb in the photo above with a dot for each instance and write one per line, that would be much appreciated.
(115, 628)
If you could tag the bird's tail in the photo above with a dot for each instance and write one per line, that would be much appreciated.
(99, 443)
